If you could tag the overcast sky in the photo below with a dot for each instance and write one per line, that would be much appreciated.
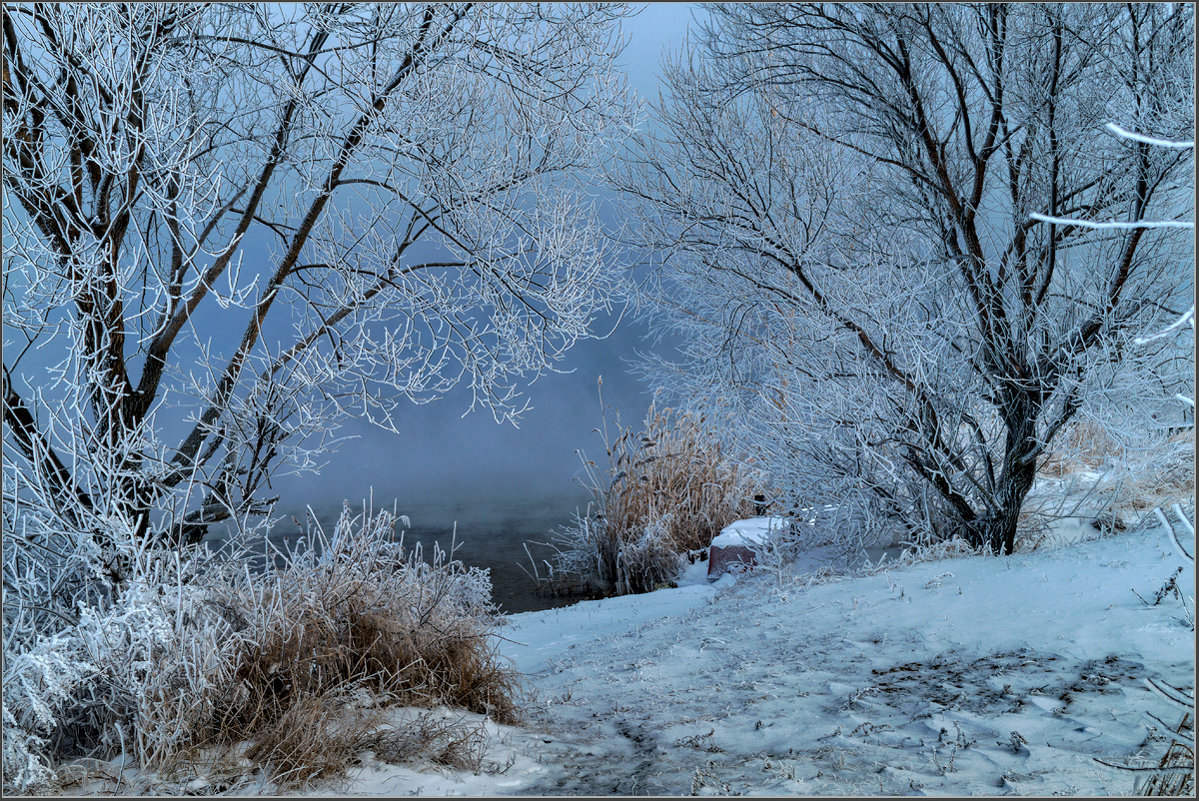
(438, 454)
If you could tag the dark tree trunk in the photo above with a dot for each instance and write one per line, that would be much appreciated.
(1013, 489)
(1019, 471)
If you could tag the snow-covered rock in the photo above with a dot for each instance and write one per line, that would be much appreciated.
(737, 545)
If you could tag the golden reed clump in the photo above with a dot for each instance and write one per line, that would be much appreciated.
(664, 493)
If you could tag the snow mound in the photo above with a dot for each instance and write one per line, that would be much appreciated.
(750, 532)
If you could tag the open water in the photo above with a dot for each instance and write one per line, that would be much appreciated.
(487, 532)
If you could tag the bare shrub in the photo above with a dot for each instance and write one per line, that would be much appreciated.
(664, 492)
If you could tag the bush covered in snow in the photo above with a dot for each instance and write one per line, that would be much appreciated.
(664, 493)
(285, 671)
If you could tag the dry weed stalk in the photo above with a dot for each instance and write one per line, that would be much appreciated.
(1083, 444)
(665, 491)
(357, 616)
(1175, 774)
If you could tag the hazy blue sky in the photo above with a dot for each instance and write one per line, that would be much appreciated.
(439, 454)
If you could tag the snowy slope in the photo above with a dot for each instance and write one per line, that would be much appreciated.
(971, 676)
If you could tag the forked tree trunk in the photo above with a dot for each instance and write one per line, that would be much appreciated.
(1016, 478)
(1013, 490)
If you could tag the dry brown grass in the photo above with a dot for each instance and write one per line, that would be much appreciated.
(1176, 769)
(1084, 444)
(358, 618)
(442, 739)
(1112, 483)
(311, 639)
(314, 737)
(318, 737)
(314, 655)
(675, 474)
(289, 674)
(665, 491)
(1169, 477)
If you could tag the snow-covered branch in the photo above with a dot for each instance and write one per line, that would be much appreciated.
(229, 227)
(1149, 140)
(1112, 224)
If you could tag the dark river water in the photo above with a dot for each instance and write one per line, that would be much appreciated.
(490, 533)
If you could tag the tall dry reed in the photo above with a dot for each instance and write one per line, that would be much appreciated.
(662, 493)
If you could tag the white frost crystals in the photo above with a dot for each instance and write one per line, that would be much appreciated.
(842, 200)
(36, 683)
(229, 226)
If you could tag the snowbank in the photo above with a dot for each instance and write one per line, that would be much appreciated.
(972, 676)
(968, 676)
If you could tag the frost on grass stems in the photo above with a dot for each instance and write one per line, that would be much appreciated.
(661, 495)
(38, 684)
(358, 613)
(293, 669)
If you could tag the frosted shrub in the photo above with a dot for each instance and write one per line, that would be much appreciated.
(165, 655)
(38, 684)
(356, 615)
(199, 656)
(132, 674)
(591, 557)
(647, 561)
(49, 573)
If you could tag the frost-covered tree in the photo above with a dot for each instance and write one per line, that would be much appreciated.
(843, 197)
(229, 226)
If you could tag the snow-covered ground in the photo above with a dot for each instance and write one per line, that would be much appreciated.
(966, 676)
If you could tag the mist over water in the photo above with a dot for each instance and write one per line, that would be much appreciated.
(502, 485)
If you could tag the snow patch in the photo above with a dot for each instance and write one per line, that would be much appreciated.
(750, 532)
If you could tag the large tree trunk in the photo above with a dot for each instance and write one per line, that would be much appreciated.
(1016, 478)
(1013, 489)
